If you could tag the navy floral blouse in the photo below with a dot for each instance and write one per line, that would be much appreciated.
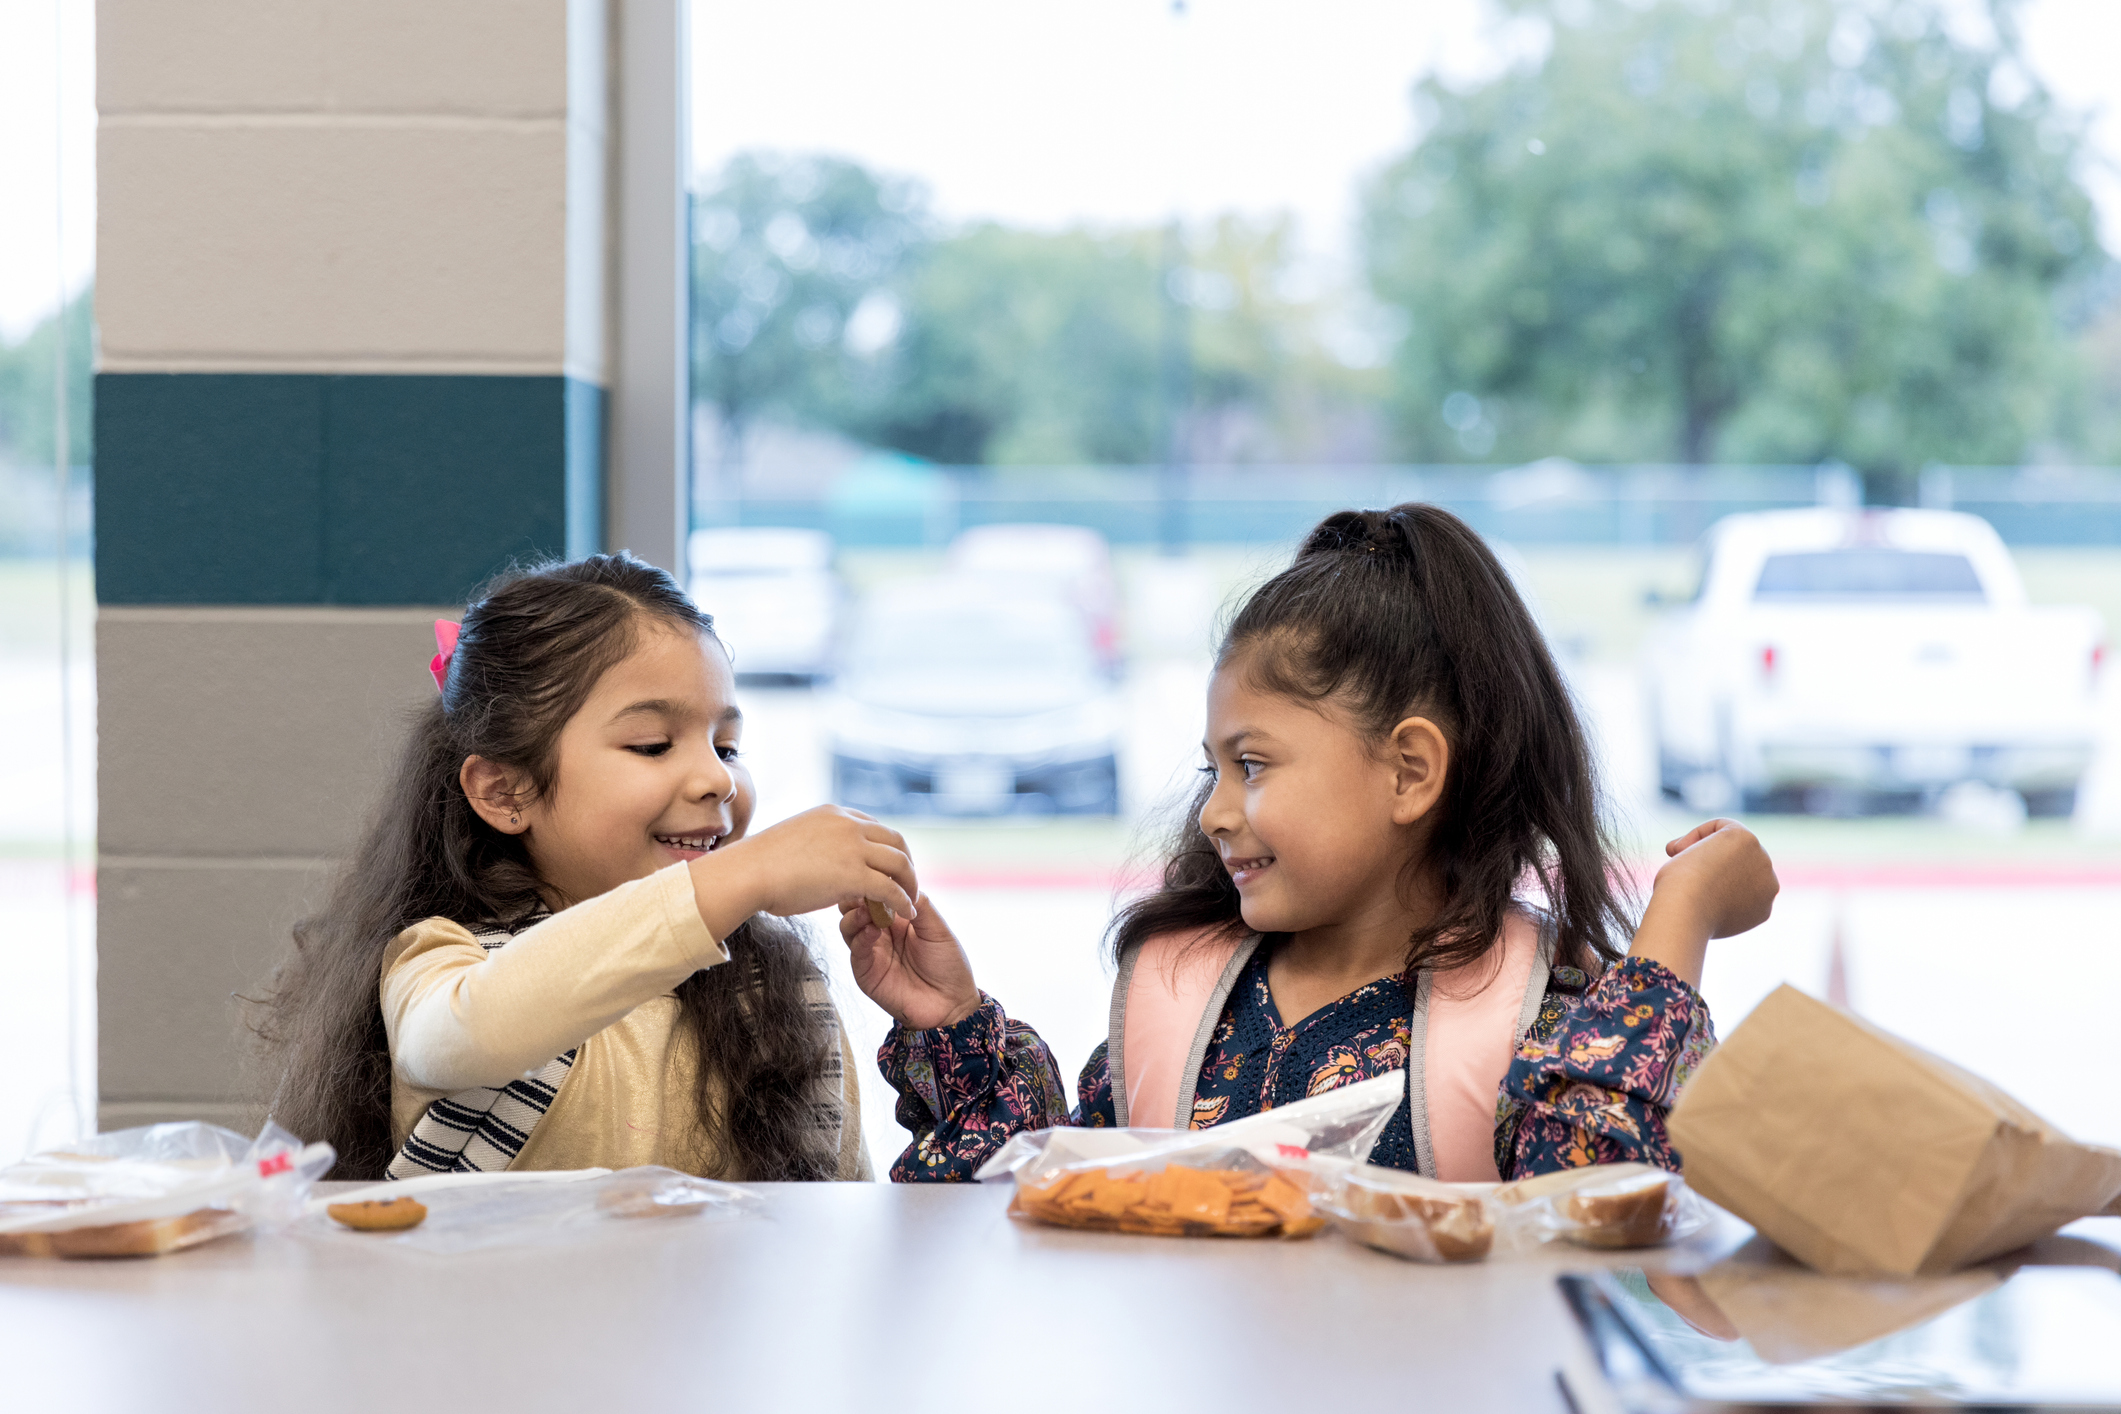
(1591, 1083)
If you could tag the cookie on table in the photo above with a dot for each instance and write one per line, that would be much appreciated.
(379, 1214)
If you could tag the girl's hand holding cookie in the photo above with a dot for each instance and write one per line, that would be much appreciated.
(911, 967)
(822, 857)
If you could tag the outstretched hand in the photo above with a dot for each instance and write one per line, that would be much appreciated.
(913, 968)
(824, 856)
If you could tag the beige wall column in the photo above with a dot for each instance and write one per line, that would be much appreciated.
(353, 281)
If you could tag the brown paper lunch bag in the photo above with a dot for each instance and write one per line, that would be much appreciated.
(1859, 1153)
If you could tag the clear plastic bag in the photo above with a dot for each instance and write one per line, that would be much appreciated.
(1604, 1205)
(1250, 1178)
(471, 1212)
(1410, 1216)
(154, 1190)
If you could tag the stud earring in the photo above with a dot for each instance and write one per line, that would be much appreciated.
(514, 818)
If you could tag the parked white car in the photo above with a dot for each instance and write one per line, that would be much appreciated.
(774, 597)
(1074, 559)
(973, 695)
(1873, 652)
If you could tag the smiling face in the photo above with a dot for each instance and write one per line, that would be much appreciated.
(646, 773)
(1314, 821)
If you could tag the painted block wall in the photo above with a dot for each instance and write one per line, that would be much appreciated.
(352, 274)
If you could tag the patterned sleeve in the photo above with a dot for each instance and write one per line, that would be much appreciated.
(964, 1090)
(1093, 1093)
(1597, 1075)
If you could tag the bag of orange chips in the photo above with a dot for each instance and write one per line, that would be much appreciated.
(1177, 1200)
(1249, 1178)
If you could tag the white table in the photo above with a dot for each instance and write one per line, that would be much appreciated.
(849, 1297)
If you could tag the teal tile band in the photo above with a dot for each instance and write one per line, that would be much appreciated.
(278, 488)
(585, 468)
(209, 488)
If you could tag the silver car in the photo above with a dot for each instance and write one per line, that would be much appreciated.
(774, 597)
(973, 696)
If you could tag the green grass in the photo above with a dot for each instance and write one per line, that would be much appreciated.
(2075, 575)
(44, 851)
(1890, 839)
(1065, 847)
(1593, 599)
(29, 606)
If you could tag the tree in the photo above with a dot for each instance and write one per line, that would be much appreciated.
(2089, 425)
(1051, 348)
(785, 252)
(1024, 347)
(27, 406)
(824, 296)
(1269, 385)
(1756, 232)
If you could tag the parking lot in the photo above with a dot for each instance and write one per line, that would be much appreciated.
(1957, 929)
(1980, 946)
(1987, 940)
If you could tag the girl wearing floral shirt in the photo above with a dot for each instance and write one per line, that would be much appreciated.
(1392, 756)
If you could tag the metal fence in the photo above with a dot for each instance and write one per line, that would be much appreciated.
(899, 504)
(2034, 505)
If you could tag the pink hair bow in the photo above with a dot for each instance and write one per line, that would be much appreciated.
(446, 640)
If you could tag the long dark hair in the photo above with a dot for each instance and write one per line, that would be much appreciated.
(532, 648)
(1407, 612)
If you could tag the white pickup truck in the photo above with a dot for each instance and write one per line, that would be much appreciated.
(1870, 653)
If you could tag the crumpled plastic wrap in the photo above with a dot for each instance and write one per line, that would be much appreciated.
(471, 1212)
(1604, 1205)
(154, 1190)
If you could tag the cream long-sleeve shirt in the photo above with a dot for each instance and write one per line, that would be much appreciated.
(598, 976)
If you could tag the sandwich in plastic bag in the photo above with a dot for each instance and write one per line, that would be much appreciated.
(1604, 1205)
(154, 1190)
(1250, 1178)
(1411, 1216)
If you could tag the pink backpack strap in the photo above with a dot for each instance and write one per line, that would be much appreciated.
(1467, 1024)
(1165, 1002)
(1466, 1029)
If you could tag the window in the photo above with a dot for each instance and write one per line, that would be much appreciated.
(1181, 280)
(47, 594)
(1867, 574)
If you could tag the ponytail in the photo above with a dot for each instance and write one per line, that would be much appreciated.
(1406, 612)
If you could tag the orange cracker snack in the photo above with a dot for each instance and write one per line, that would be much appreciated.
(1104, 1196)
(1193, 1194)
(1284, 1199)
(1176, 1201)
